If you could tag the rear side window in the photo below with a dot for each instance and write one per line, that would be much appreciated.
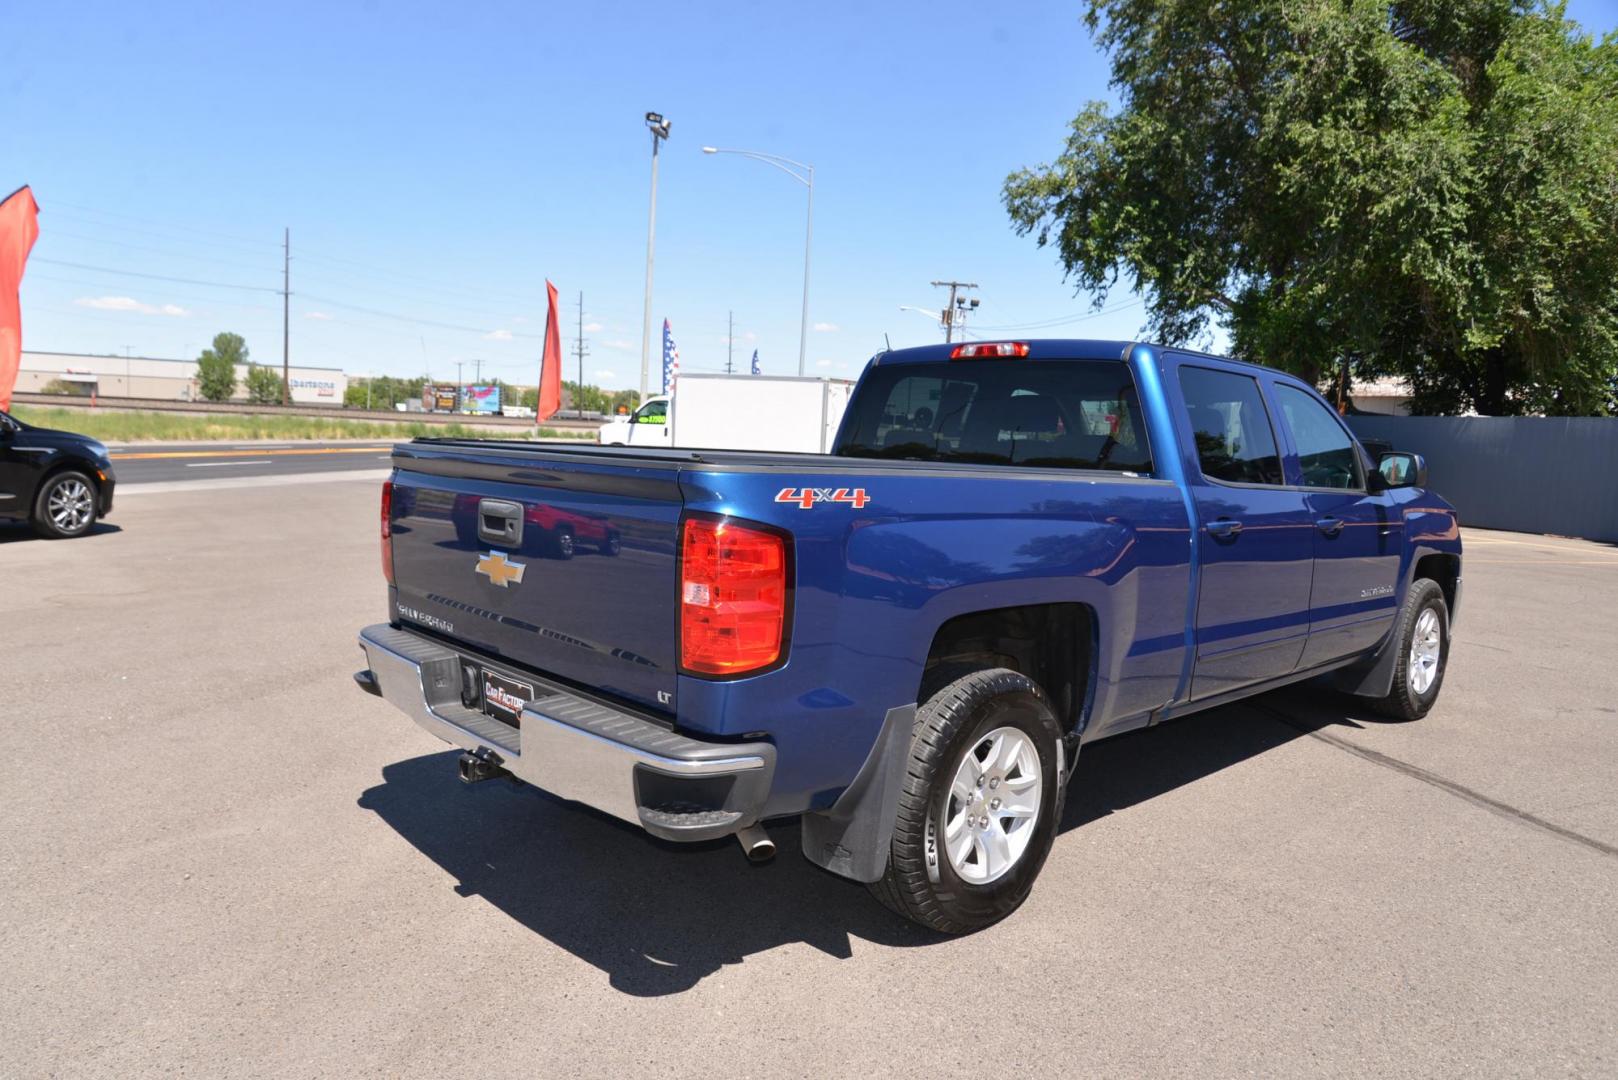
(1231, 426)
(1325, 452)
(1065, 414)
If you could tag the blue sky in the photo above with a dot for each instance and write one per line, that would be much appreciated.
(436, 163)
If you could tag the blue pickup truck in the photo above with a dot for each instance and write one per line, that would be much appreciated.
(1015, 548)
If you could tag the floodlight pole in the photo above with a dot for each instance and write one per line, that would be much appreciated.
(660, 130)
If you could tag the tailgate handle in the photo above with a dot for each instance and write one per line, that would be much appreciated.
(500, 522)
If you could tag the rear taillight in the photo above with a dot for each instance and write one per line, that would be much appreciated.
(733, 597)
(989, 350)
(387, 530)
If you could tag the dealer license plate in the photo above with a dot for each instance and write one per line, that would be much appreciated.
(504, 697)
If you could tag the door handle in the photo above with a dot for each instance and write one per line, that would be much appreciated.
(1224, 529)
(1330, 526)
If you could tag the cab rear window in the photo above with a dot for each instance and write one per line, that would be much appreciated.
(1065, 414)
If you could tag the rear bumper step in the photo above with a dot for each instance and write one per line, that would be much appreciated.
(672, 786)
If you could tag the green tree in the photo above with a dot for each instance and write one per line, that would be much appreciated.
(384, 391)
(263, 385)
(1356, 187)
(216, 367)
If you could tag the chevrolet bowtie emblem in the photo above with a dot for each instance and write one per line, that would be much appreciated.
(500, 570)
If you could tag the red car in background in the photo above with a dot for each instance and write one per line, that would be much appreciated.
(547, 531)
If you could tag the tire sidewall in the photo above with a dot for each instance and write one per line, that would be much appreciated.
(1430, 597)
(1027, 711)
(42, 514)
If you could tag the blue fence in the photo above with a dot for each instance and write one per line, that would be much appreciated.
(1522, 473)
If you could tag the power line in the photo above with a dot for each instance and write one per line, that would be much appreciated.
(56, 233)
(156, 277)
(151, 221)
(1066, 319)
(407, 318)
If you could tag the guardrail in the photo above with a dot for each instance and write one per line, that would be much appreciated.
(238, 408)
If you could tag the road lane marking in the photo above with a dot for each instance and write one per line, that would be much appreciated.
(152, 454)
(240, 480)
(217, 464)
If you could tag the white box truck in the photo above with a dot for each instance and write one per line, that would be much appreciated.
(738, 412)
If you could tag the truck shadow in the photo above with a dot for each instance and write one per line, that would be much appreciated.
(658, 918)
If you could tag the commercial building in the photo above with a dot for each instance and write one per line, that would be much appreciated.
(164, 380)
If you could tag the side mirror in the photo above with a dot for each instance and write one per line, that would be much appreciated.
(1399, 469)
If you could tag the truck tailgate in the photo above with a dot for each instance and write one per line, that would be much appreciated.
(563, 566)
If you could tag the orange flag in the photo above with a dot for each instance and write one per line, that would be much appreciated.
(19, 228)
(550, 363)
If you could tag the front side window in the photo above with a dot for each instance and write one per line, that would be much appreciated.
(1231, 426)
(1325, 451)
(1065, 414)
(653, 412)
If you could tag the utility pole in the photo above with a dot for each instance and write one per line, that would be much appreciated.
(477, 371)
(730, 340)
(955, 312)
(286, 317)
(581, 352)
(458, 384)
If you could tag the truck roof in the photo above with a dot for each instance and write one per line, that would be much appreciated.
(1046, 349)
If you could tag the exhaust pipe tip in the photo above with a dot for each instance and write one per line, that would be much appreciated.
(756, 844)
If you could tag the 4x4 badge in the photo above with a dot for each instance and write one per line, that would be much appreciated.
(806, 498)
(501, 570)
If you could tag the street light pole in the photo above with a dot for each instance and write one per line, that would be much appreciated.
(660, 130)
(807, 178)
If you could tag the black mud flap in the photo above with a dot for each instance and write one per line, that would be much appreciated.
(853, 838)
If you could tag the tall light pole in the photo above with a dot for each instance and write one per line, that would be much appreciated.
(659, 128)
(805, 175)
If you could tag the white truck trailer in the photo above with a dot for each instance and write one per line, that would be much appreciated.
(737, 412)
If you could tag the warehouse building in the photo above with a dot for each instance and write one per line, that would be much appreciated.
(164, 380)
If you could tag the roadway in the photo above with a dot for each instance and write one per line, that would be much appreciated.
(182, 462)
(221, 859)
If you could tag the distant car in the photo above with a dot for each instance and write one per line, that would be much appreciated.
(59, 481)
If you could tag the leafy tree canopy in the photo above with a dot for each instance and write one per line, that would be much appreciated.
(216, 367)
(263, 385)
(1426, 189)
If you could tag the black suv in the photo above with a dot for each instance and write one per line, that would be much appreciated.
(60, 481)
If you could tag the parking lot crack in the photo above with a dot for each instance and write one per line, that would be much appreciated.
(1444, 784)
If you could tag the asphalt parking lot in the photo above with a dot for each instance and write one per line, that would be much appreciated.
(221, 858)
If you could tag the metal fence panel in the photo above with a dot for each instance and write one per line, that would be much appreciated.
(1522, 473)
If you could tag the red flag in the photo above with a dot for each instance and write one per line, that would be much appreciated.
(550, 364)
(19, 228)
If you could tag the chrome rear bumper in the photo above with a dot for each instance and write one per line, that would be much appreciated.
(673, 786)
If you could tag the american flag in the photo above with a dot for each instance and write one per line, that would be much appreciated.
(755, 362)
(671, 358)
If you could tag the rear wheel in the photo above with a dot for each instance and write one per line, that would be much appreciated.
(613, 544)
(980, 803)
(562, 543)
(65, 506)
(1422, 638)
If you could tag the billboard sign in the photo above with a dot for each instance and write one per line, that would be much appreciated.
(481, 399)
